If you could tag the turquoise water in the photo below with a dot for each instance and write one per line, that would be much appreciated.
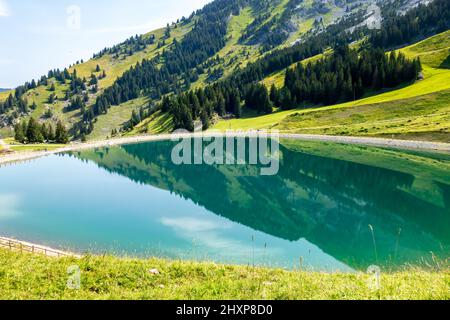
(316, 212)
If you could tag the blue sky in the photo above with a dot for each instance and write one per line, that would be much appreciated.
(37, 36)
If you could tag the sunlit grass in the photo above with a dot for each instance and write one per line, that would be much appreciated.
(25, 276)
(433, 51)
(115, 118)
(36, 147)
(158, 123)
(425, 117)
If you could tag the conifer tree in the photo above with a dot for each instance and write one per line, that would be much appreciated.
(34, 133)
(19, 134)
(61, 135)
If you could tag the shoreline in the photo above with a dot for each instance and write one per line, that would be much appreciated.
(14, 245)
(24, 246)
(367, 141)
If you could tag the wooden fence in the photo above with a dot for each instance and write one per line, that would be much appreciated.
(16, 245)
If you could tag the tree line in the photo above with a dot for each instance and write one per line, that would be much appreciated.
(32, 131)
(344, 76)
(128, 47)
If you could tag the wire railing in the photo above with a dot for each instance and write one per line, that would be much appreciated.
(16, 245)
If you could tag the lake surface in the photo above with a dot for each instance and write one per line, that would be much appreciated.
(330, 207)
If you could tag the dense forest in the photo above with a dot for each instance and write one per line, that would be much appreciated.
(344, 76)
(417, 23)
(347, 75)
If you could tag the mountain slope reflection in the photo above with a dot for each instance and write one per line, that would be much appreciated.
(329, 202)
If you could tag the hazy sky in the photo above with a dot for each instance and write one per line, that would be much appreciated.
(37, 36)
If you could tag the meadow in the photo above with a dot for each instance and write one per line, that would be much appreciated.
(26, 276)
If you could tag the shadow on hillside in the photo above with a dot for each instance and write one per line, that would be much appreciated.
(446, 63)
(163, 124)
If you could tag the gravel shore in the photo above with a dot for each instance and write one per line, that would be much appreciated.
(369, 141)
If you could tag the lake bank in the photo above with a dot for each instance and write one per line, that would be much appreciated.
(24, 246)
(107, 277)
(368, 141)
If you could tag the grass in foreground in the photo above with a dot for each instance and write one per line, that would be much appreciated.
(25, 276)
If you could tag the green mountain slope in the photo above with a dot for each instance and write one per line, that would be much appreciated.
(420, 110)
(112, 66)
(287, 19)
(225, 39)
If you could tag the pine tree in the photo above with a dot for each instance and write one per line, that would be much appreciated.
(235, 103)
(274, 95)
(135, 118)
(286, 101)
(61, 135)
(50, 133)
(19, 134)
(44, 132)
(205, 120)
(34, 133)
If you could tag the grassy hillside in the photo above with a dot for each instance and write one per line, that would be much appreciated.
(366, 115)
(159, 123)
(277, 78)
(114, 278)
(419, 110)
(114, 68)
(424, 117)
(4, 94)
(116, 118)
(235, 54)
(433, 52)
